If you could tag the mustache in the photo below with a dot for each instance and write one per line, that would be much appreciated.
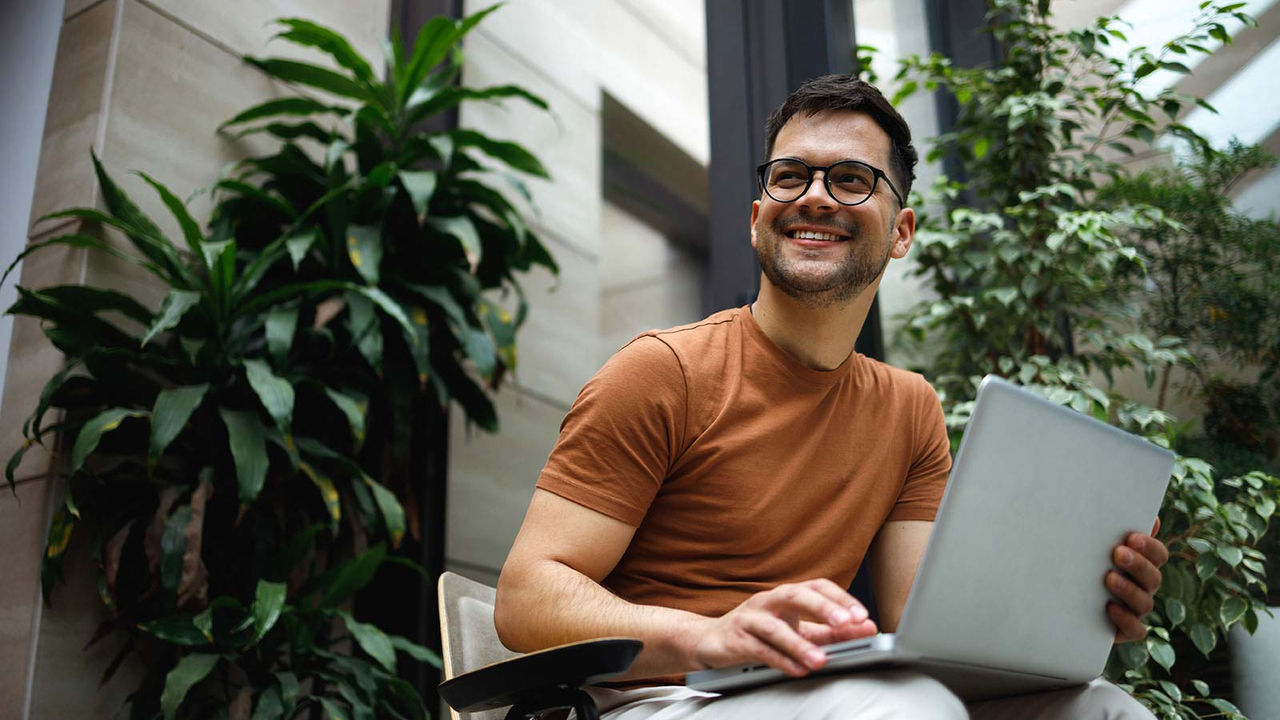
(784, 225)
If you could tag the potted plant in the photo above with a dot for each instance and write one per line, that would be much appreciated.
(1027, 285)
(237, 456)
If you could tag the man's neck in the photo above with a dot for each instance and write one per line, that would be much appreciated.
(820, 337)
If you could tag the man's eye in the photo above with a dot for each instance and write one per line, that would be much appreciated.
(851, 179)
(788, 177)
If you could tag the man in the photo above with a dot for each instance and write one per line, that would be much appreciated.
(716, 486)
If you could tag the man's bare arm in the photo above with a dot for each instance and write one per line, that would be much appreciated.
(550, 593)
(892, 559)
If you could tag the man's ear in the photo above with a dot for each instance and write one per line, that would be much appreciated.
(755, 213)
(904, 231)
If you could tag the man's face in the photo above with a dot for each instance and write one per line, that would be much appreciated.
(815, 249)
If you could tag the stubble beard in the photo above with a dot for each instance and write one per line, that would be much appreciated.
(835, 282)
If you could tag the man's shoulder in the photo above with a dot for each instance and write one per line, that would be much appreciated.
(687, 341)
(895, 382)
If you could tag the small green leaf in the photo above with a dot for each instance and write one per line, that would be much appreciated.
(91, 434)
(980, 147)
(372, 640)
(275, 393)
(189, 671)
(268, 601)
(1233, 608)
(1202, 687)
(178, 630)
(1161, 651)
(464, 230)
(1230, 554)
(354, 409)
(172, 409)
(420, 185)
(1175, 611)
(300, 245)
(1203, 637)
(280, 328)
(175, 305)
(248, 443)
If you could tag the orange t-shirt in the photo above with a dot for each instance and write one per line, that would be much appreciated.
(740, 467)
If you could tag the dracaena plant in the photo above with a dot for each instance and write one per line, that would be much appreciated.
(213, 477)
(428, 218)
(236, 457)
(1034, 279)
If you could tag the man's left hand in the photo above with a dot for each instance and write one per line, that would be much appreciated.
(1134, 581)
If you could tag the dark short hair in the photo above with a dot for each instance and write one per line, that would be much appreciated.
(847, 92)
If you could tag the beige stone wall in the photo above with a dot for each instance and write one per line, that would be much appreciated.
(649, 55)
(145, 83)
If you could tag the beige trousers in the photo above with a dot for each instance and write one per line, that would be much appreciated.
(866, 696)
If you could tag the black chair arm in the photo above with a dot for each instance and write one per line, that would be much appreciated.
(542, 680)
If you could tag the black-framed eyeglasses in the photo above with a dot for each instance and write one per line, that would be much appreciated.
(849, 182)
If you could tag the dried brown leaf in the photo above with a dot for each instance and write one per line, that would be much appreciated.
(193, 586)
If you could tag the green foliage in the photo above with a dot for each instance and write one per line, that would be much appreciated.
(1033, 278)
(238, 455)
(1213, 279)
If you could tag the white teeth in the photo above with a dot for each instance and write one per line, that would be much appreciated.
(811, 235)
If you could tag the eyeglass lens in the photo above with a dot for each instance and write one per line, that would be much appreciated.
(849, 182)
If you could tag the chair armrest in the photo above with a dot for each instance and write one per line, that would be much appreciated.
(520, 678)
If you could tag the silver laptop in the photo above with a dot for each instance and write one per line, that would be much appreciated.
(1009, 596)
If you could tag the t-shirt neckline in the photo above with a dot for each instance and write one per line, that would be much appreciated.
(794, 367)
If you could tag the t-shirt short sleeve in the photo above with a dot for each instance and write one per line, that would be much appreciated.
(931, 462)
(624, 431)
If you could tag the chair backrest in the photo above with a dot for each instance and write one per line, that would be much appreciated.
(467, 632)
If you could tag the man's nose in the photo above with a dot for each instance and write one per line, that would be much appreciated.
(816, 197)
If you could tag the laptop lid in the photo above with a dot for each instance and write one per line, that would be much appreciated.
(1013, 573)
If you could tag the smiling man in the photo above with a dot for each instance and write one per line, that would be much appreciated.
(716, 486)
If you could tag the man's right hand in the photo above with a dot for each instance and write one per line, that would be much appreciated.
(784, 627)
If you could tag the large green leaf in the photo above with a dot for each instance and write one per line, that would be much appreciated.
(434, 41)
(314, 76)
(140, 229)
(464, 230)
(91, 434)
(352, 575)
(372, 640)
(89, 299)
(307, 33)
(189, 671)
(74, 240)
(275, 393)
(508, 152)
(268, 602)
(281, 106)
(172, 309)
(415, 651)
(248, 443)
(364, 248)
(172, 409)
(420, 185)
(426, 102)
(328, 494)
(190, 228)
(390, 508)
(179, 630)
(354, 409)
(1203, 637)
(280, 327)
(1233, 609)
(261, 263)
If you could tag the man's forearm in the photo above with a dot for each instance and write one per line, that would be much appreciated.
(547, 603)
